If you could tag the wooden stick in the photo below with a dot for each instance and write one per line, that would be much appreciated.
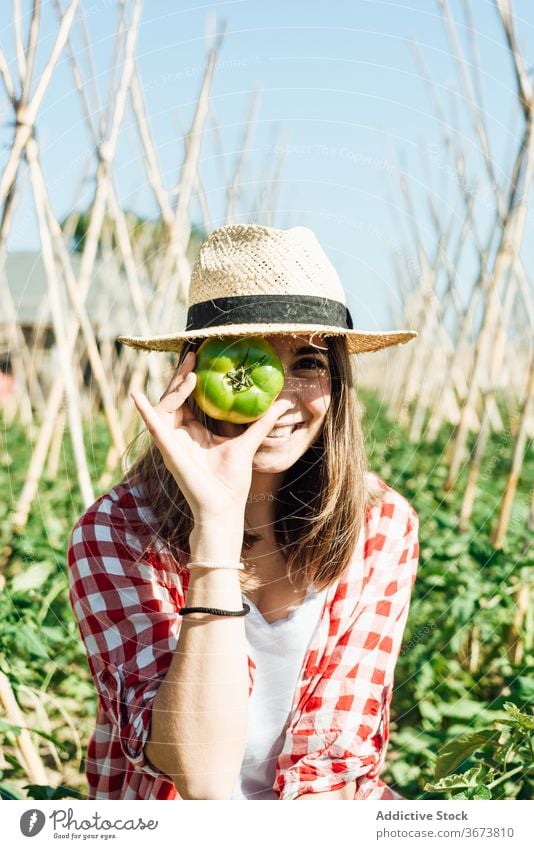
(481, 131)
(501, 263)
(96, 217)
(33, 39)
(31, 760)
(483, 436)
(525, 89)
(234, 188)
(19, 354)
(73, 402)
(55, 446)
(19, 47)
(515, 645)
(176, 285)
(46, 74)
(499, 534)
(81, 315)
(512, 232)
(27, 111)
(150, 160)
(6, 78)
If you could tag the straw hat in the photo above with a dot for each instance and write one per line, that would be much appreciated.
(254, 280)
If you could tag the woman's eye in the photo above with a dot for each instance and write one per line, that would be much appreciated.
(311, 364)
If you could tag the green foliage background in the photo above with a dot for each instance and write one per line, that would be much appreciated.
(455, 674)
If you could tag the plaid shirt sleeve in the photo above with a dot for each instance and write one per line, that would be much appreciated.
(341, 729)
(126, 608)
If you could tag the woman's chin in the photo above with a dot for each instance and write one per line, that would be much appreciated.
(272, 460)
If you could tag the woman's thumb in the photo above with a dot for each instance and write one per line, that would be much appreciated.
(256, 432)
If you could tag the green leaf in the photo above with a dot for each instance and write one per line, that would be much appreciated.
(44, 791)
(6, 726)
(446, 519)
(478, 792)
(429, 711)
(29, 641)
(32, 578)
(456, 751)
(454, 549)
(9, 792)
(9, 726)
(523, 719)
(523, 687)
(467, 779)
(463, 709)
(482, 792)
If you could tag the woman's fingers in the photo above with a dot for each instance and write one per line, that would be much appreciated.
(256, 432)
(185, 367)
(148, 413)
(174, 399)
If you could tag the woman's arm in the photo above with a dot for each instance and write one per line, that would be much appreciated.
(199, 716)
(346, 792)
(199, 721)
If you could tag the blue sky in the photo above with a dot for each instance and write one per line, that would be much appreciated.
(339, 90)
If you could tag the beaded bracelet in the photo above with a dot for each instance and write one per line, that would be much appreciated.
(217, 611)
(217, 564)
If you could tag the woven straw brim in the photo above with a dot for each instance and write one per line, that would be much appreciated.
(359, 341)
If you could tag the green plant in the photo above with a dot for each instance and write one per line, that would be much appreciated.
(461, 663)
(505, 759)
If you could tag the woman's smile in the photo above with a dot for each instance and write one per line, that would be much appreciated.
(308, 386)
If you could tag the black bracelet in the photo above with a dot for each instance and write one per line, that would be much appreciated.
(217, 611)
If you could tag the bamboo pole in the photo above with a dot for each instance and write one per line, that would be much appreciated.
(428, 306)
(27, 108)
(106, 152)
(483, 435)
(474, 99)
(31, 760)
(54, 453)
(7, 80)
(515, 644)
(429, 354)
(479, 124)
(499, 534)
(19, 48)
(95, 360)
(168, 289)
(71, 390)
(25, 116)
(530, 525)
(19, 353)
(176, 286)
(33, 39)
(512, 232)
(150, 160)
(506, 247)
(234, 187)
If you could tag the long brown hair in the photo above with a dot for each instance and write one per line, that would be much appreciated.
(321, 505)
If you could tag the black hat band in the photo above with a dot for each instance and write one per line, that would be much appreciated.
(269, 309)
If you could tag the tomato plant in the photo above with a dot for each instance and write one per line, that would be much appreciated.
(452, 731)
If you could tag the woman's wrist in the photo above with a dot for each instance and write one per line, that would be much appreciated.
(213, 540)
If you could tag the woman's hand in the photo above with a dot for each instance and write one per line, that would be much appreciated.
(213, 472)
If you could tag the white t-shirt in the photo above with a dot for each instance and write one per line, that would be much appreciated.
(278, 650)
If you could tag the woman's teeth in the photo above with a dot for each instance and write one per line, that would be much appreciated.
(282, 431)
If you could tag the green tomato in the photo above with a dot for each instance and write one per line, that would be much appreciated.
(237, 381)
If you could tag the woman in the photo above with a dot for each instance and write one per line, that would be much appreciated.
(301, 560)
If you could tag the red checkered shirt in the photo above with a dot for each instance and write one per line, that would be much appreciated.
(126, 607)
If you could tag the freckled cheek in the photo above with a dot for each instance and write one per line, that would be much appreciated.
(316, 398)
